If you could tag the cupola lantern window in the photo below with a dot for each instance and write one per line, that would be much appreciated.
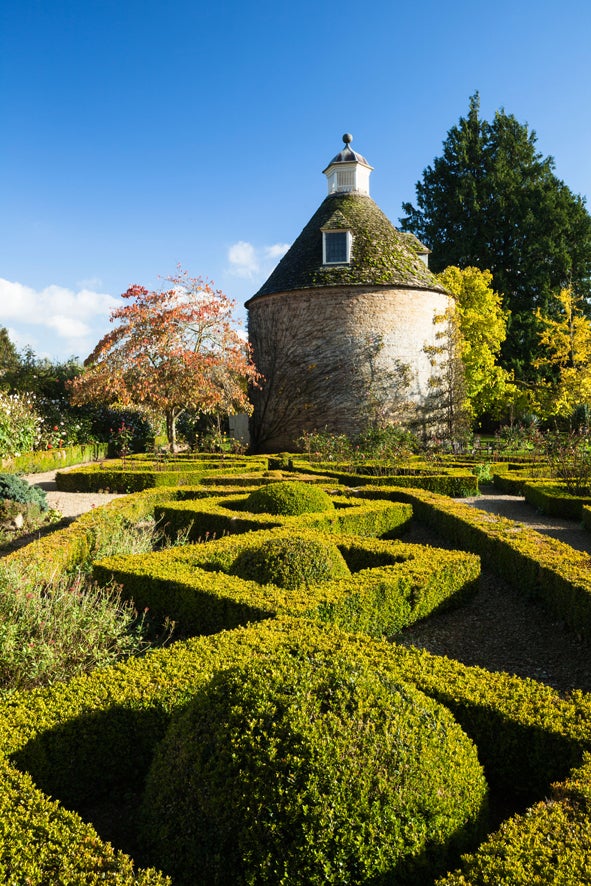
(348, 171)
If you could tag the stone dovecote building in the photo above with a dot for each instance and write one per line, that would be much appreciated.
(340, 327)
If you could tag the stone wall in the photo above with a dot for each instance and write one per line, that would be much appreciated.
(339, 358)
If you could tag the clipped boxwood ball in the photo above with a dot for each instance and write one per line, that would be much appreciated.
(291, 563)
(295, 771)
(289, 499)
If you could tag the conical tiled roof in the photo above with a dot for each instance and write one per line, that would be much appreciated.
(381, 255)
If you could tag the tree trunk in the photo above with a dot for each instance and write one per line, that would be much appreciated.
(171, 430)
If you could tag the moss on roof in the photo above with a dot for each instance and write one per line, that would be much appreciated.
(381, 256)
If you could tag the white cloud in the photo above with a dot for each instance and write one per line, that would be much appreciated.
(277, 251)
(55, 321)
(68, 327)
(90, 283)
(243, 259)
(253, 263)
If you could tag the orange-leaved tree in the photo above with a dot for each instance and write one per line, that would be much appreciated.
(171, 350)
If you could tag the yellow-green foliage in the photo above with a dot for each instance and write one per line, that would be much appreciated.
(290, 498)
(291, 562)
(216, 516)
(41, 843)
(52, 459)
(554, 499)
(97, 734)
(300, 770)
(447, 481)
(511, 482)
(113, 478)
(534, 563)
(550, 843)
(482, 323)
(393, 584)
(68, 548)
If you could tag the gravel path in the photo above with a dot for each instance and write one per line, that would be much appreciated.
(497, 628)
(517, 508)
(70, 504)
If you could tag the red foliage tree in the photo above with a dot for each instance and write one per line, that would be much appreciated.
(171, 350)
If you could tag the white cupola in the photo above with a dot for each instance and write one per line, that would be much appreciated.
(348, 171)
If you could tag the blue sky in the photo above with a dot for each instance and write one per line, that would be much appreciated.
(139, 134)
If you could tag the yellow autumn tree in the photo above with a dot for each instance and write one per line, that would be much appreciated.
(482, 324)
(566, 342)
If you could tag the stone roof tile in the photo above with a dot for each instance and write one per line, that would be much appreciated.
(381, 256)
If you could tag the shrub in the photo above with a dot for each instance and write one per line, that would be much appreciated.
(53, 632)
(310, 771)
(290, 563)
(569, 456)
(397, 585)
(288, 499)
(17, 489)
(549, 843)
(19, 424)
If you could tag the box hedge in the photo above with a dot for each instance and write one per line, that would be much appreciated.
(392, 585)
(533, 563)
(219, 515)
(94, 735)
(450, 481)
(304, 770)
(113, 476)
(41, 843)
(555, 500)
(510, 477)
(53, 459)
(549, 843)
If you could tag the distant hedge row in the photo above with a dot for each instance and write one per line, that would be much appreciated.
(53, 459)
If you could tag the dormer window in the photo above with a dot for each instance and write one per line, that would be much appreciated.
(336, 247)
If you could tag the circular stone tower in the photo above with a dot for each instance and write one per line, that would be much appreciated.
(343, 330)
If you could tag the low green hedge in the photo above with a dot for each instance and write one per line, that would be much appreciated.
(113, 477)
(65, 549)
(53, 459)
(217, 516)
(510, 478)
(555, 500)
(97, 478)
(452, 482)
(586, 515)
(533, 563)
(394, 585)
(550, 843)
(511, 484)
(41, 843)
(95, 736)
(316, 772)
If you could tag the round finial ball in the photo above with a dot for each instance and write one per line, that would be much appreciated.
(347, 138)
